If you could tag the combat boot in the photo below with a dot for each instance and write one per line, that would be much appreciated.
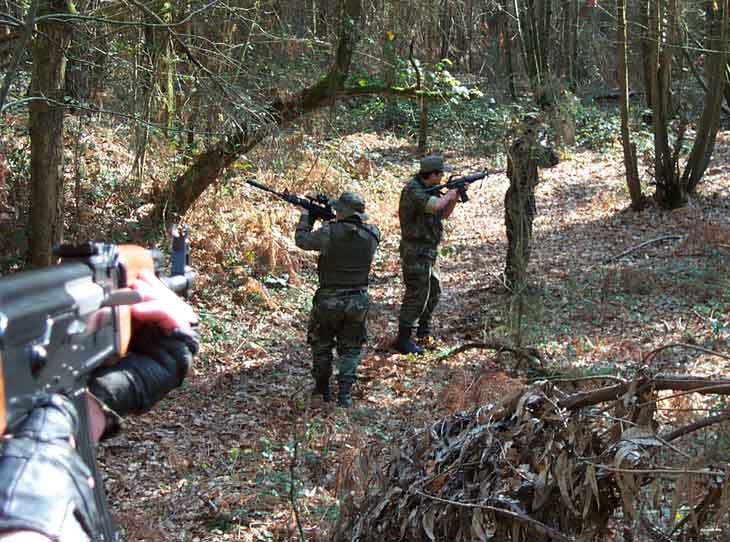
(403, 342)
(424, 330)
(322, 387)
(344, 395)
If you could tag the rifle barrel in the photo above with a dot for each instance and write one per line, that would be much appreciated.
(262, 186)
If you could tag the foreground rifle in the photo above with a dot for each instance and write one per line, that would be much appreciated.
(59, 323)
(319, 206)
(460, 184)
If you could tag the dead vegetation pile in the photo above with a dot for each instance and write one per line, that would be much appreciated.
(545, 464)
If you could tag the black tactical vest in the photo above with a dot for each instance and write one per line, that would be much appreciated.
(346, 263)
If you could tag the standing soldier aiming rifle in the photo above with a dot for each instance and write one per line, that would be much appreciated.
(340, 306)
(421, 215)
(524, 156)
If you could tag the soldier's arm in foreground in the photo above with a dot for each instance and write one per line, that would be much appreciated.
(45, 489)
(306, 239)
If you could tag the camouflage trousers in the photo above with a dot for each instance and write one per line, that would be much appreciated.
(338, 322)
(518, 223)
(423, 290)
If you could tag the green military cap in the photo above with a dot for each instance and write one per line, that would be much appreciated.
(432, 163)
(350, 204)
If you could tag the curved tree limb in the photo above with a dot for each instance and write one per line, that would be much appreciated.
(658, 383)
(696, 425)
(182, 192)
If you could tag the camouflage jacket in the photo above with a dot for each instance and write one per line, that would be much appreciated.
(524, 157)
(420, 230)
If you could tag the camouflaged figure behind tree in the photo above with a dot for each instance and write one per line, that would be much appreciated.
(340, 306)
(524, 156)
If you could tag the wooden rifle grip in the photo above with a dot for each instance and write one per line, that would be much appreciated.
(134, 259)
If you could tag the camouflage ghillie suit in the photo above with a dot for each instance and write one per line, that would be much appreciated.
(421, 233)
(340, 305)
(524, 156)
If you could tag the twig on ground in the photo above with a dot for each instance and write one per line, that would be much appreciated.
(659, 470)
(614, 378)
(655, 532)
(634, 249)
(527, 353)
(651, 354)
(293, 465)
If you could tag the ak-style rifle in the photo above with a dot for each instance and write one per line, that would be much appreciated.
(58, 324)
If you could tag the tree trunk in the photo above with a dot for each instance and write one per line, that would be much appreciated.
(573, 59)
(632, 172)
(726, 86)
(710, 120)
(46, 134)
(391, 38)
(519, 17)
(208, 166)
(509, 62)
(648, 51)
(469, 35)
(670, 192)
(445, 26)
(423, 127)
(545, 25)
(150, 55)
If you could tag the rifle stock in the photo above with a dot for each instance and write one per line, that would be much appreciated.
(58, 324)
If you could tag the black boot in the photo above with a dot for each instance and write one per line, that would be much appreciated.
(322, 387)
(403, 342)
(344, 395)
(424, 330)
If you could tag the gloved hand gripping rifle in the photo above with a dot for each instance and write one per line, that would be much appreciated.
(319, 207)
(460, 184)
(60, 323)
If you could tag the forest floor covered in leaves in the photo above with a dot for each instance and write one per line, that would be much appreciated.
(241, 452)
(226, 458)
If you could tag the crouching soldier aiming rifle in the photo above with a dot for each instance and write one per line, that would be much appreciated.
(63, 386)
(340, 306)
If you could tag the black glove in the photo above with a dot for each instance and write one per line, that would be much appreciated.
(44, 484)
(311, 219)
(156, 364)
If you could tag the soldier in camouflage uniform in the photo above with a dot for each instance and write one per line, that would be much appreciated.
(340, 306)
(524, 156)
(421, 224)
